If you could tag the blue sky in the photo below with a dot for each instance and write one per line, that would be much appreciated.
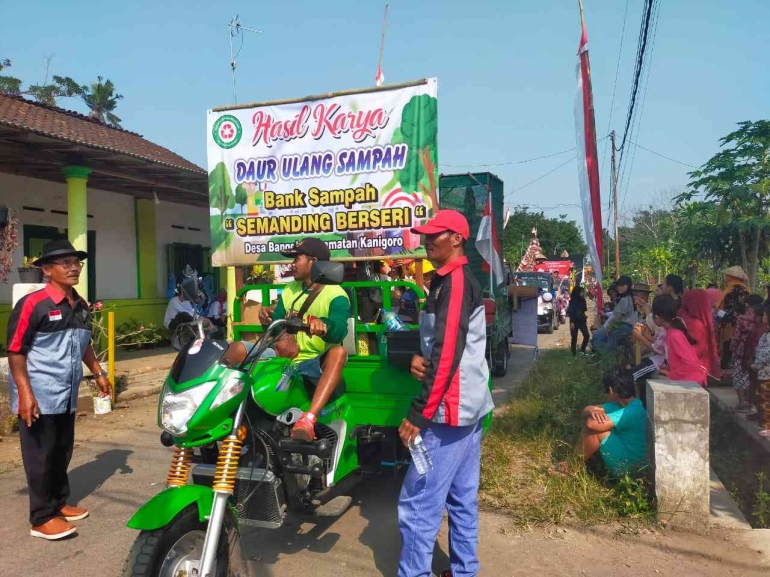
(506, 73)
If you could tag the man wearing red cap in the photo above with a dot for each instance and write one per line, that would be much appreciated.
(448, 413)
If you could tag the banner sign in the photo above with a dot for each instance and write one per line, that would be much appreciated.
(355, 169)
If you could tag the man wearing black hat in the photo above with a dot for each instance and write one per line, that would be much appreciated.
(49, 332)
(326, 309)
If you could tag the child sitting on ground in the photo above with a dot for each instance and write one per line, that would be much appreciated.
(762, 367)
(682, 360)
(617, 431)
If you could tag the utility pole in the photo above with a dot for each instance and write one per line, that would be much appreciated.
(615, 205)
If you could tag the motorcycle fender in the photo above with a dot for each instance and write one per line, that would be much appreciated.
(163, 507)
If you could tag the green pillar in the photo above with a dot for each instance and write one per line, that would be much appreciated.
(146, 249)
(77, 217)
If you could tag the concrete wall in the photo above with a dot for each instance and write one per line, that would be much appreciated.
(678, 418)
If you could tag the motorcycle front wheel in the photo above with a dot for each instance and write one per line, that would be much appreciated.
(173, 550)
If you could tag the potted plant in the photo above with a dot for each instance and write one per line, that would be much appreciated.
(8, 243)
(28, 272)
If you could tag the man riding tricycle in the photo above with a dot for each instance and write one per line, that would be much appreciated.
(271, 428)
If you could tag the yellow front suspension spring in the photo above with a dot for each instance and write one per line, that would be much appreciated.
(179, 471)
(227, 465)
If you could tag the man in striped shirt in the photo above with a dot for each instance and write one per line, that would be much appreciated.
(448, 413)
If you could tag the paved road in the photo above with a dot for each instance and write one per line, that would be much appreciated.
(119, 464)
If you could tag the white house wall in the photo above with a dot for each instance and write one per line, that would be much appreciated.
(176, 223)
(114, 223)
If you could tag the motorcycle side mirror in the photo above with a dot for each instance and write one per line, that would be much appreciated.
(189, 287)
(325, 272)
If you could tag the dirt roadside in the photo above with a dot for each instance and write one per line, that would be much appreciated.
(119, 464)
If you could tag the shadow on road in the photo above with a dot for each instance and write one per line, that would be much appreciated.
(378, 503)
(373, 515)
(89, 477)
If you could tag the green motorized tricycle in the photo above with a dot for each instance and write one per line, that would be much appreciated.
(228, 410)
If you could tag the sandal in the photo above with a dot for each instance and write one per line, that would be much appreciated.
(304, 429)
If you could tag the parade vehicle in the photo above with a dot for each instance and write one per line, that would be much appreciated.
(468, 193)
(547, 315)
(227, 410)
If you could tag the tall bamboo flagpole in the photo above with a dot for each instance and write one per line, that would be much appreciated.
(380, 77)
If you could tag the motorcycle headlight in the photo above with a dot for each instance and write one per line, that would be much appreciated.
(232, 388)
(177, 409)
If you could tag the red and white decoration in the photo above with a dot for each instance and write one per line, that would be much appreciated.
(488, 245)
(588, 160)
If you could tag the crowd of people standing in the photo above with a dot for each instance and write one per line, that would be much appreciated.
(707, 336)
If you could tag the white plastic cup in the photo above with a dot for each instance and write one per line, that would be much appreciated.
(102, 405)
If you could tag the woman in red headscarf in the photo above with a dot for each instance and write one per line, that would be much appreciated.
(697, 314)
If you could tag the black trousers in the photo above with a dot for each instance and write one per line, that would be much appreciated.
(574, 327)
(46, 449)
(178, 320)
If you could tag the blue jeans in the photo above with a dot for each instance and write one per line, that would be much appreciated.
(605, 341)
(452, 484)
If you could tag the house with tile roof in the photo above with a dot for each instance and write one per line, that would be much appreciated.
(137, 208)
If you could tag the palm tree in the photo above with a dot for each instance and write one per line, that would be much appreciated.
(102, 100)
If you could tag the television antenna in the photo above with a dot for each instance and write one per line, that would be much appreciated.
(235, 28)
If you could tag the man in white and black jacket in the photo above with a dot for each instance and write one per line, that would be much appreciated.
(448, 413)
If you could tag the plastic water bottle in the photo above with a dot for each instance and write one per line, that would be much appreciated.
(420, 456)
(391, 321)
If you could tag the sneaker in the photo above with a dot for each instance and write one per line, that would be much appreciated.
(55, 529)
(304, 429)
(73, 513)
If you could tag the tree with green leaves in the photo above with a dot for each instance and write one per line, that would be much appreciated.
(47, 92)
(737, 181)
(102, 100)
(9, 84)
(555, 234)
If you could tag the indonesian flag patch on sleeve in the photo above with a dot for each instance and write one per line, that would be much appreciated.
(54, 316)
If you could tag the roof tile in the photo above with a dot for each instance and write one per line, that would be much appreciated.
(71, 126)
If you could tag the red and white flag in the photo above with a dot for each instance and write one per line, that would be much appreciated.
(380, 78)
(487, 244)
(507, 216)
(588, 160)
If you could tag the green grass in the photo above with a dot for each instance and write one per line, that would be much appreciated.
(540, 426)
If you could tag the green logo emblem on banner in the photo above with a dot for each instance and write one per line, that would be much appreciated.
(227, 131)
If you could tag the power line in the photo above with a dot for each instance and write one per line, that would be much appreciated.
(638, 121)
(663, 155)
(541, 177)
(615, 83)
(641, 49)
(512, 161)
